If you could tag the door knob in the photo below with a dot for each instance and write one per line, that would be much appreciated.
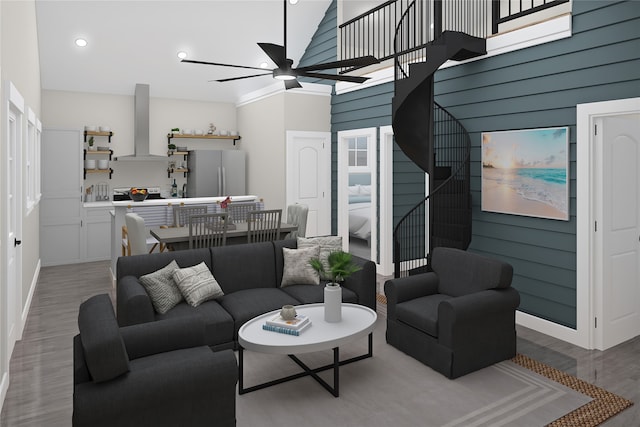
(17, 242)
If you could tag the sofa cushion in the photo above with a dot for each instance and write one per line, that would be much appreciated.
(327, 245)
(197, 284)
(246, 304)
(297, 269)
(421, 313)
(218, 324)
(104, 351)
(247, 266)
(161, 287)
(312, 294)
(462, 272)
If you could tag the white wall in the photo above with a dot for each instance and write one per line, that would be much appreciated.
(19, 63)
(264, 123)
(75, 110)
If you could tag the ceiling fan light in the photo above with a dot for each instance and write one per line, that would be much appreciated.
(80, 42)
(293, 1)
(283, 74)
(182, 54)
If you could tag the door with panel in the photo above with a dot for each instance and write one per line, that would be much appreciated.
(309, 177)
(620, 225)
(61, 209)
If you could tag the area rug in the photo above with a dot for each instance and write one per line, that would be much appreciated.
(393, 389)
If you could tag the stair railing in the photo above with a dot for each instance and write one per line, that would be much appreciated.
(443, 218)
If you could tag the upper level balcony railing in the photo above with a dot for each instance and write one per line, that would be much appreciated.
(372, 33)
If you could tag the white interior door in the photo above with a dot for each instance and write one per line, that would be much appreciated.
(12, 283)
(309, 177)
(620, 225)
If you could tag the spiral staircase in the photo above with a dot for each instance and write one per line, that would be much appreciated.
(433, 139)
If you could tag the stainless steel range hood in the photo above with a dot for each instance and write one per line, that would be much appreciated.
(141, 128)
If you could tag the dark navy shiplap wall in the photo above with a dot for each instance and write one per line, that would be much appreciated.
(531, 88)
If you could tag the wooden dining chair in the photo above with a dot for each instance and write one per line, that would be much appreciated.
(181, 214)
(264, 226)
(207, 230)
(238, 211)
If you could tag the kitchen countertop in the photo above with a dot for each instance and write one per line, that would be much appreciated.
(187, 201)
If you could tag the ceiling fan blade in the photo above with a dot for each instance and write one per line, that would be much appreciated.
(363, 61)
(240, 78)
(338, 77)
(292, 84)
(219, 64)
(276, 53)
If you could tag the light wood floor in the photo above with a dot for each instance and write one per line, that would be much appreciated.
(42, 365)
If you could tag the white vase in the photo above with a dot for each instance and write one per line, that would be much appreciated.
(332, 303)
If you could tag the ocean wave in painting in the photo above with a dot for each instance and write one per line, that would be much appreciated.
(545, 185)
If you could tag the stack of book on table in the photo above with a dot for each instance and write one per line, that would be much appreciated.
(291, 327)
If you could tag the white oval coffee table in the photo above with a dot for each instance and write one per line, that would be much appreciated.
(357, 321)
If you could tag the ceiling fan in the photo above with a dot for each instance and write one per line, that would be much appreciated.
(285, 70)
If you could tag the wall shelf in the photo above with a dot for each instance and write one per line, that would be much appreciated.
(94, 133)
(233, 138)
(110, 153)
(90, 171)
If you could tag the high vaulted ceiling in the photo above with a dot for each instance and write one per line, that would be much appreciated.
(133, 42)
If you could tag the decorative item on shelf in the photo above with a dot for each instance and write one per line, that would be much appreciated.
(103, 164)
(138, 194)
(90, 144)
(90, 164)
(174, 189)
(175, 130)
(340, 266)
(211, 130)
(183, 148)
(288, 312)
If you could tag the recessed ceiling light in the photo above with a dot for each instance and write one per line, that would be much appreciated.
(182, 54)
(81, 42)
(263, 65)
(293, 1)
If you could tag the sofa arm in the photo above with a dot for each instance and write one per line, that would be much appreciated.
(163, 392)
(133, 304)
(363, 282)
(475, 314)
(145, 339)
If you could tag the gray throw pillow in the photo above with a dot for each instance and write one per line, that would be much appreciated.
(297, 269)
(197, 284)
(162, 288)
(327, 245)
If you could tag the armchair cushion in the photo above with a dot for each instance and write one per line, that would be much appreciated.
(421, 313)
(104, 351)
(461, 272)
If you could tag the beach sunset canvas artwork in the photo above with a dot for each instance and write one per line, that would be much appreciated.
(526, 172)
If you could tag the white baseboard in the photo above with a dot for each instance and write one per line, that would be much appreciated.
(27, 305)
(4, 387)
(554, 330)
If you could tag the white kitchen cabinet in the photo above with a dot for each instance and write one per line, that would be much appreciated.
(96, 233)
(61, 205)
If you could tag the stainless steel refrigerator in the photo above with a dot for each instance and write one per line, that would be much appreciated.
(216, 173)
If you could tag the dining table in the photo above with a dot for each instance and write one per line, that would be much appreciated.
(178, 237)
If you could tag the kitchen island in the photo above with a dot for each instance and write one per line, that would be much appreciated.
(154, 205)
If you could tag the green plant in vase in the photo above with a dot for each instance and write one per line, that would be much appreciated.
(340, 266)
(90, 144)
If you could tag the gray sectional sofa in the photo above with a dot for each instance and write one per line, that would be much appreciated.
(250, 277)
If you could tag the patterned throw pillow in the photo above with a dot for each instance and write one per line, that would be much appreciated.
(197, 284)
(162, 288)
(297, 270)
(327, 245)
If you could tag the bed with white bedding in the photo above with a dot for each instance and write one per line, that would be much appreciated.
(360, 206)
